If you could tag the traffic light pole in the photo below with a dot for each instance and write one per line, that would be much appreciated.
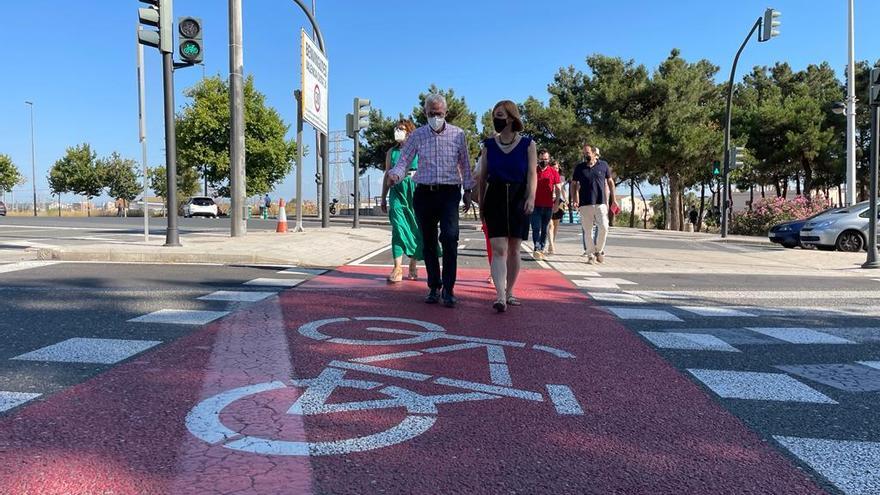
(357, 183)
(725, 193)
(299, 161)
(172, 237)
(872, 262)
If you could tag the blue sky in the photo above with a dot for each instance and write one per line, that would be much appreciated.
(80, 67)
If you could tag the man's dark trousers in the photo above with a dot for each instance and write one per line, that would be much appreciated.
(438, 205)
(540, 223)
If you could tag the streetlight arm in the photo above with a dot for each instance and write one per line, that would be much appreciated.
(314, 25)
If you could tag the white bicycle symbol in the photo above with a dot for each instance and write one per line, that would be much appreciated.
(203, 421)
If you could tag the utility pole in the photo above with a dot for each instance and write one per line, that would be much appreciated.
(142, 133)
(851, 113)
(33, 157)
(236, 138)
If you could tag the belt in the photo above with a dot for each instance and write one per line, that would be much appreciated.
(438, 187)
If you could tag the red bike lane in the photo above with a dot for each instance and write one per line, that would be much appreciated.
(347, 385)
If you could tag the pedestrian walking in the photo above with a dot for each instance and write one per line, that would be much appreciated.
(508, 177)
(444, 167)
(558, 212)
(593, 192)
(267, 203)
(406, 238)
(547, 194)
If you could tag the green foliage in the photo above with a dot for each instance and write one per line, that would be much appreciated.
(203, 131)
(10, 176)
(187, 183)
(120, 176)
(77, 172)
(377, 139)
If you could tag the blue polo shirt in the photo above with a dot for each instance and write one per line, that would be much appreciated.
(592, 182)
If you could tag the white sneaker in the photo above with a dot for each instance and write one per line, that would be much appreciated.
(590, 259)
(600, 257)
(585, 254)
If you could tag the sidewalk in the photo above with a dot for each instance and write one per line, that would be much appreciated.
(316, 247)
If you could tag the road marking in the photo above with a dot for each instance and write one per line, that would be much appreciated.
(579, 273)
(275, 282)
(759, 386)
(849, 465)
(387, 357)
(746, 294)
(800, 335)
(713, 311)
(500, 374)
(180, 317)
(377, 370)
(8, 400)
(25, 265)
(368, 256)
(688, 341)
(870, 364)
(83, 350)
(596, 283)
(237, 296)
(304, 271)
(564, 400)
(615, 297)
(490, 389)
(642, 314)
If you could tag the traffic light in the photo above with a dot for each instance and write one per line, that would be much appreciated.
(769, 25)
(349, 126)
(158, 15)
(875, 87)
(737, 155)
(361, 114)
(716, 168)
(318, 179)
(190, 44)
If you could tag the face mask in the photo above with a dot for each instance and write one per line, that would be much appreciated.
(436, 123)
(543, 163)
(499, 124)
(399, 135)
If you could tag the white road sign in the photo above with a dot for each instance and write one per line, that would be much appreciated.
(314, 84)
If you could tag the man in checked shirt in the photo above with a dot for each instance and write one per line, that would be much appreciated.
(444, 167)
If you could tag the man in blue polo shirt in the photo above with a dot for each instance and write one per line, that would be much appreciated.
(589, 183)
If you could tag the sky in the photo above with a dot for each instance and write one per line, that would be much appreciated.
(80, 69)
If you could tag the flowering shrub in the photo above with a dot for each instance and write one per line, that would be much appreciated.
(766, 213)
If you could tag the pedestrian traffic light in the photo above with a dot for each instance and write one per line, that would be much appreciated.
(158, 14)
(190, 45)
(349, 126)
(769, 25)
(875, 87)
(737, 155)
(361, 114)
(716, 168)
(318, 179)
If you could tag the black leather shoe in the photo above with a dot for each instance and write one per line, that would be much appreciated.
(448, 299)
(433, 297)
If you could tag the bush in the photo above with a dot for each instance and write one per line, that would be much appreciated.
(768, 212)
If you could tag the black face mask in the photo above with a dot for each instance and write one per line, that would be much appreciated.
(499, 124)
(543, 163)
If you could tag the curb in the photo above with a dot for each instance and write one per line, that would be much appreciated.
(170, 257)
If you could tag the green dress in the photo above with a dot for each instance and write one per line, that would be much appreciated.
(406, 238)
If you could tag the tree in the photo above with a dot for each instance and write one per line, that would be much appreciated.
(458, 114)
(203, 138)
(77, 172)
(187, 183)
(10, 176)
(378, 138)
(120, 177)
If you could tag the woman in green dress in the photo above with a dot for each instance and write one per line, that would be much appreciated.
(406, 239)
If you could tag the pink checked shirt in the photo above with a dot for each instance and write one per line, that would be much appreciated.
(443, 157)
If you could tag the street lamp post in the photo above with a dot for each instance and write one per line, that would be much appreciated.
(851, 114)
(33, 157)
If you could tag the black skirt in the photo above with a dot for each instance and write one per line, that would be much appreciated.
(503, 210)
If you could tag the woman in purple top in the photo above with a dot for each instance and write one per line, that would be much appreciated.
(508, 179)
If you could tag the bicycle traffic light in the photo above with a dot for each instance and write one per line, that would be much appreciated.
(157, 15)
(737, 155)
(769, 25)
(361, 114)
(875, 87)
(190, 45)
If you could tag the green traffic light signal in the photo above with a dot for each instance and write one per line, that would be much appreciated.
(190, 49)
(716, 168)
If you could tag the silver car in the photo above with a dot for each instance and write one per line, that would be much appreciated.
(845, 229)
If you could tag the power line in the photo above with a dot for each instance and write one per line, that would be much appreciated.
(340, 156)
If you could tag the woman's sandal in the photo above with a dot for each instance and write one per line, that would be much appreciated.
(413, 273)
(396, 275)
(499, 306)
(512, 301)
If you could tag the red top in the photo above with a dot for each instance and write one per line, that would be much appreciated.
(547, 180)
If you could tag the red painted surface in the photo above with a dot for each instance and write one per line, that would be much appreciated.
(646, 428)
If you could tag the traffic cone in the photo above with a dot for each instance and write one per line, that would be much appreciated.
(282, 218)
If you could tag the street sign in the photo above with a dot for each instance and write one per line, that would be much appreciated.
(314, 84)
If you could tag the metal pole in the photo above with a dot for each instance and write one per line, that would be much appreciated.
(317, 134)
(357, 183)
(871, 261)
(851, 113)
(172, 237)
(236, 138)
(299, 161)
(142, 132)
(33, 157)
(725, 193)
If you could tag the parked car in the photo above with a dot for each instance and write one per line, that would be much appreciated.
(844, 229)
(788, 234)
(2, 209)
(200, 206)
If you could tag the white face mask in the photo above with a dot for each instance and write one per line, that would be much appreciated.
(399, 135)
(436, 123)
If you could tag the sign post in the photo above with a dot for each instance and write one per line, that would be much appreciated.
(312, 103)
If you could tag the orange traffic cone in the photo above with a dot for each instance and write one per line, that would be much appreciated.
(282, 217)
